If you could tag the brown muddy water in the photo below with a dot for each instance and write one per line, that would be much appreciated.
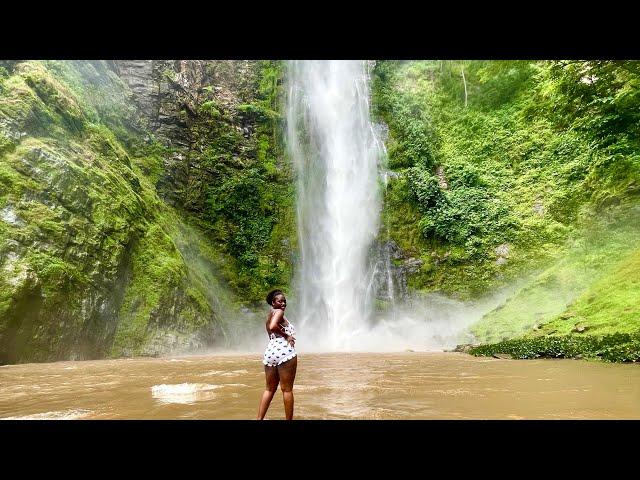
(409, 385)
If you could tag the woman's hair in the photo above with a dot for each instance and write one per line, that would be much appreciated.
(272, 294)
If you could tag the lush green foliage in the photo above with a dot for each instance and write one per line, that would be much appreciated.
(608, 305)
(618, 347)
(523, 174)
(599, 266)
(509, 167)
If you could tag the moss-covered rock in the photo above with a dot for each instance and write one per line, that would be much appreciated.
(87, 247)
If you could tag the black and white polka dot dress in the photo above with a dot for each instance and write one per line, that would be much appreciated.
(278, 349)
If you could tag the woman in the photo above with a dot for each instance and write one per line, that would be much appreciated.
(280, 360)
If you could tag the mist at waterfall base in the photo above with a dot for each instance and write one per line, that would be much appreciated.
(430, 322)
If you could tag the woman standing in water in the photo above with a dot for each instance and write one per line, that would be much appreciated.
(280, 360)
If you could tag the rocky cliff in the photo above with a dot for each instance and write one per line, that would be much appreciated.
(107, 204)
(224, 164)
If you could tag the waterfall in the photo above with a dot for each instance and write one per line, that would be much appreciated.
(336, 154)
(340, 165)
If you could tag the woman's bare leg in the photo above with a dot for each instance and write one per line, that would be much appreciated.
(272, 385)
(287, 372)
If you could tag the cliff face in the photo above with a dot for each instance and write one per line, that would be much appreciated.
(169, 92)
(101, 172)
(169, 95)
(224, 164)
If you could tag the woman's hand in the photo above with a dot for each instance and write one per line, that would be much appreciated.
(291, 340)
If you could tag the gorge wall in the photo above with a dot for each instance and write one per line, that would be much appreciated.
(137, 200)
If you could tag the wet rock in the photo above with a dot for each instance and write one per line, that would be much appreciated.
(88, 216)
(392, 250)
(502, 356)
(412, 265)
(442, 181)
(390, 174)
(502, 251)
(390, 276)
(138, 75)
(8, 215)
(464, 348)
(610, 202)
(381, 130)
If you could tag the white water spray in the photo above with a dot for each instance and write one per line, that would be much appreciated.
(336, 154)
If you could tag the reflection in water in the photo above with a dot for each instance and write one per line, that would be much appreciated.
(416, 385)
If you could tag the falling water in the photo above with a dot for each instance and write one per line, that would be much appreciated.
(340, 170)
(336, 155)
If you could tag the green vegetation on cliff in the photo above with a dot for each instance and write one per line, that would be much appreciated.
(116, 242)
(518, 171)
(242, 193)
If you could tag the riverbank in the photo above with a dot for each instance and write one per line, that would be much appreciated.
(617, 347)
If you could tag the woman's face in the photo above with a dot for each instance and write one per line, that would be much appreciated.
(279, 302)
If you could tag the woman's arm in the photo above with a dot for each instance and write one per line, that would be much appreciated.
(274, 322)
(276, 327)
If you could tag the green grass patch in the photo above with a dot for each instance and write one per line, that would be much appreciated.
(609, 305)
(593, 281)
